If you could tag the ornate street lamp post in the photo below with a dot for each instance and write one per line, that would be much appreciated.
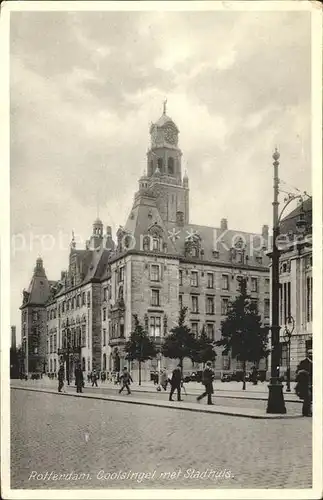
(289, 328)
(276, 402)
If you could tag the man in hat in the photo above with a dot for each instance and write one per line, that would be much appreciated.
(79, 380)
(175, 383)
(207, 381)
(125, 379)
(61, 378)
(304, 379)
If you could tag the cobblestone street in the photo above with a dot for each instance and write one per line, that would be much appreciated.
(51, 433)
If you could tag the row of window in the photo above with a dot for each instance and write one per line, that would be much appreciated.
(225, 281)
(210, 306)
(70, 304)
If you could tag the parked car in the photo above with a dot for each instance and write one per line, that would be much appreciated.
(226, 377)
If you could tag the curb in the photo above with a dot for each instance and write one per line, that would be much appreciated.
(217, 410)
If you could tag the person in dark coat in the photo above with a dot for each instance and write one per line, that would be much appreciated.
(254, 375)
(125, 380)
(94, 378)
(79, 380)
(304, 383)
(60, 378)
(207, 381)
(175, 383)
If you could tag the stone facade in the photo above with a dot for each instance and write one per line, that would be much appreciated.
(159, 263)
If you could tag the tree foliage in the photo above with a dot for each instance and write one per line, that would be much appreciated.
(139, 347)
(181, 342)
(242, 334)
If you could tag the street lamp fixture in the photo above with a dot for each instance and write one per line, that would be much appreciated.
(289, 328)
(276, 402)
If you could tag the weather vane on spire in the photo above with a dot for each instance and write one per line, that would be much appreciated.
(165, 102)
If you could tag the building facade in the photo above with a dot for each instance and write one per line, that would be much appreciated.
(296, 285)
(159, 263)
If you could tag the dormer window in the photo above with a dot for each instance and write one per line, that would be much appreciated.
(156, 244)
(194, 252)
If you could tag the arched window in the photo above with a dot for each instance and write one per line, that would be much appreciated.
(171, 166)
(104, 362)
(156, 244)
(195, 252)
(50, 365)
(120, 296)
(160, 164)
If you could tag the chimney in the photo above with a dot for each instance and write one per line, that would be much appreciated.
(180, 218)
(13, 337)
(224, 224)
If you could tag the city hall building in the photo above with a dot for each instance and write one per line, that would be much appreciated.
(159, 262)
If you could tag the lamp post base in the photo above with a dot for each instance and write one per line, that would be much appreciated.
(276, 403)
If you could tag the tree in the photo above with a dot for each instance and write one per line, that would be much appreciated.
(242, 333)
(205, 350)
(180, 343)
(139, 346)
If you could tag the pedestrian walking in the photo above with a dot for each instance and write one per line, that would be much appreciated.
(125, 380)
(60, 378)
(79, 380)
(304, 383)
(207, 381)
(175, 383)
(254, 375)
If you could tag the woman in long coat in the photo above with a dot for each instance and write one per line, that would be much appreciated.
(79, 380)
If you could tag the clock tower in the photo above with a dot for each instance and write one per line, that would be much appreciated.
(165, 171)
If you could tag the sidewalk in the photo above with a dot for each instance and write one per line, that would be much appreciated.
(175, 405)
(225, 390)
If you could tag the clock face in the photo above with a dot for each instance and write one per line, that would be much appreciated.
(170, 135)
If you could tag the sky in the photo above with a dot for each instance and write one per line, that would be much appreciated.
(85, 86)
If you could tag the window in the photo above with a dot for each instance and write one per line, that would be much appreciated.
(48, 316)
(180, 301)
(171, 166)
(104, 314)
(54, 342)
(55, 365)
(267, 308)
(67, 305)
(239, 278)
(283, 353)
(259, 259)
(63, 306)
(154, 272)
(195, 304)
(104, 336)
(225, 282)
(180, 277)
(50, 344)
(239, 258)
(78, 301)
(50, 365)
(83, 298)
(105, 294)
(89, 299)
(309, 299)
(73, 303)
(210, 280)
(194, 252)
(209, 305)
(160, 164)
(255, 303)
(155, 298)
(35, 315)
(156, 244)
(194, 328)
(59, 310)
(55, 313)
(155, 326)
(267, 285)
(308, 345)
(83, 330)
(254, 284)
(224, 306)
(194, 278)
(122, 330)
(210, 331)
(104, 361)
(121, 274)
